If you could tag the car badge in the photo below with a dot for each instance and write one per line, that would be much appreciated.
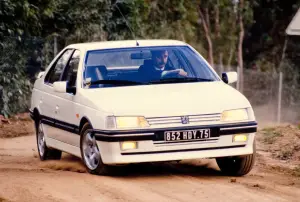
(185, 120)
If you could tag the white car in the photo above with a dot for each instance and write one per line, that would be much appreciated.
(122, 102)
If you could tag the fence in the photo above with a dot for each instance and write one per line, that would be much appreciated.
(274, 98)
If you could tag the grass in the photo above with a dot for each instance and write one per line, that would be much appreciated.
(268, 129)
(270, 134)
(285, 153)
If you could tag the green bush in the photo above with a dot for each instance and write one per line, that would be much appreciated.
(15, 86)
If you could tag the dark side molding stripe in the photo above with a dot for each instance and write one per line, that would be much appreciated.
(149, 134)
(186, 150)
(60, 124)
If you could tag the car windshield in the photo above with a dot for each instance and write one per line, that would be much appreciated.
(145, 66)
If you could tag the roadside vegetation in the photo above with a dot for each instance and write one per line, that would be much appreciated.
(248, 34)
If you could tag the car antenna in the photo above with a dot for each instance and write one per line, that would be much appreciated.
(137, 43)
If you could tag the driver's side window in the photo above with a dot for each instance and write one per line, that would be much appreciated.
(58, 67)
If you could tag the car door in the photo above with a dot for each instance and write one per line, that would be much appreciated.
(66, 109)
(48, 99)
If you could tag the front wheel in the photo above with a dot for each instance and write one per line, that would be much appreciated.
(237, 165)
(90, 153)
(45, 153)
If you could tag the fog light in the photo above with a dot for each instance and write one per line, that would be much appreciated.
(240, 138)
(128, 145)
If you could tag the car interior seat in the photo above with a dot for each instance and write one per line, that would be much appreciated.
(96, 73)
(142, 68)
(142, 71)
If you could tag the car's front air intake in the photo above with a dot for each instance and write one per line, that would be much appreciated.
(193, 119)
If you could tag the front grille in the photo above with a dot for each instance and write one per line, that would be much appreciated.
(194, 119)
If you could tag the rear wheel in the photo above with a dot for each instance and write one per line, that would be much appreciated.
(45, 152)
(237, 165)
(90, 153)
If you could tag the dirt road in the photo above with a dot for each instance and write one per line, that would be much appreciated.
(24, 178)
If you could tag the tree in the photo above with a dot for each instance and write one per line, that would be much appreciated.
(245, 17)
(18, 20)
(218, 19)
(240, 46)
(264, 39)
(203, 11)
(223, 30)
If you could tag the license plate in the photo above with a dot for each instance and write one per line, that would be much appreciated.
(174, 136)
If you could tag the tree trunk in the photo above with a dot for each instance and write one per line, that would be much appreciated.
(233, 18)
(207, 18)
(206, 27)
(231, 51)
(221, 62)
(217, 20)
(218, 36)
(240, 46)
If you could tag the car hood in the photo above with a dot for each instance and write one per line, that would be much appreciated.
(165, 99)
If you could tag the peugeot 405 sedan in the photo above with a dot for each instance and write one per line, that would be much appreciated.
(122, 102)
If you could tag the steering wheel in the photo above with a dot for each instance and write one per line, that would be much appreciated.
(171, 74)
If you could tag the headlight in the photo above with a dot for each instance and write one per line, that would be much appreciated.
(127, 122)
(235, 115)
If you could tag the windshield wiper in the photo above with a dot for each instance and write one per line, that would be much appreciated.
(116, 82)
(181, 80)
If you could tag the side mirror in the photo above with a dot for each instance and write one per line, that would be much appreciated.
(60, 86)
(229, 77)
(40, 75)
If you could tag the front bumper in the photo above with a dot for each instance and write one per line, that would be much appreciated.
(151, 148)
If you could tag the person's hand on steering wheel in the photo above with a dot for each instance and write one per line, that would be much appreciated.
(182, 73)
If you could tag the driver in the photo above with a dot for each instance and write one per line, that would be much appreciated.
(160, 59)
(159, 67)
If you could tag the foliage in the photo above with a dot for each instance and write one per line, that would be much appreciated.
(15, 86)
(23, 17)
(74, 21)
(270, 135)
(87, 20)
(264, 40)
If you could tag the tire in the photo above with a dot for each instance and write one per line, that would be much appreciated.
(88, 148)
(45, 153)
(237, 165)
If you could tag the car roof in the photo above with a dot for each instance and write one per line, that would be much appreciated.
(124, 44)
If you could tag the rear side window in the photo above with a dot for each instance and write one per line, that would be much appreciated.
(58, 67)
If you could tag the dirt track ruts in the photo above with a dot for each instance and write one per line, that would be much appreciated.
(24, 178)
